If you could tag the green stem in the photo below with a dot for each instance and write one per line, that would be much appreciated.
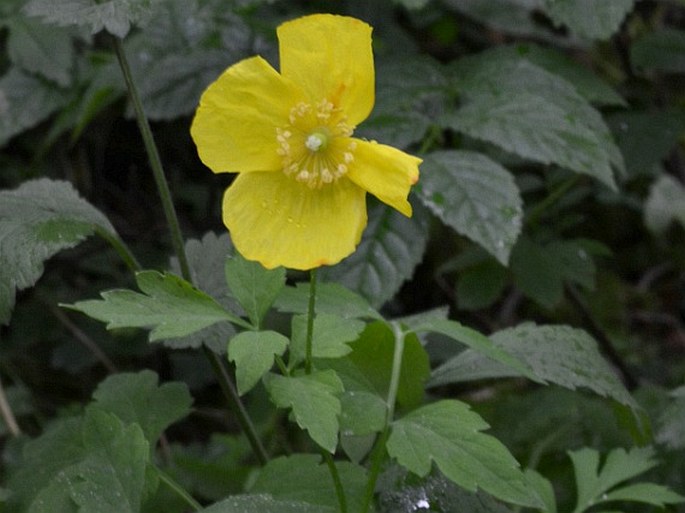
(155, 161)
(337, 483)
(379, 449)
(539, 209)
(230, 392)
(310, 322)
(225, 382)
(7, 414)
(121, 248)
(178, 489)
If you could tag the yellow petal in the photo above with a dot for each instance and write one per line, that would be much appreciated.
(385, 172)
(235, 125)
(330, 57)
(277, 221)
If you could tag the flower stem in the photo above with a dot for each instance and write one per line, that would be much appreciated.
(337, 483)
(310, 322)
(177, 488)
(379, 449)
(7, 414)
(121, 248)
(224, 379)
(155, 161)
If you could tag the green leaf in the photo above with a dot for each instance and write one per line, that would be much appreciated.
(480, 285)
(331, 298)
(478, 343)
(534, 114)
(592, 485)
(555, 354)
(314, 399)
(671, 424)
(392, 246)
(363, 413)
(112, 477)
(115, 16)
(253, 354)
(303, 477)
(169, 305)
(665, 204)
(475, 196)
(207, 260)
(43, 49)
(136, 398)
(253, 286)
(264, 504)
(330, 336)
(587, 18)
(448, 433)
(663, 50)
(37, 220)
(543, 487)
(25, 101)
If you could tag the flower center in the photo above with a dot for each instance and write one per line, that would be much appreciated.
(315, 145)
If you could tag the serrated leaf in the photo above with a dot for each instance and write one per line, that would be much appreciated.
(25, 101)
(665, 204)
(555, 354)
(475, 196)
(264, 503)
(37, 220)
(543, 487)
(253, 354)
(115, 16)
(43, 49)
(169, 305)
(137, 398)
(112, 477)
(253, 286)
(207, 260)
(303, 477)
(331, 298)
(314, 399)
(330, 336)
(449, 434)
(534, 114)
(478, 342)
(391, 248)
(648, 493)
(663, 50)
(587, 18)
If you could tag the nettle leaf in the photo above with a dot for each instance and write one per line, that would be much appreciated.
(137, 398)
(37, 220)
(255, 287)
(331, 298)
(587, 18)
(665, 204)
(671, 430)
(330, 336)
(593, 486)
(39, 48)
(303, 477)
(559, 354)
(478, 343)
(663, 50)
(115, 16)
(532, 113)
(391, 248)
(207, 260)
(112, 478)
(253, 354)
(25, 101)
(264, 503)
(315, 403)
(448, 434)
(474, 195)
(169, 305)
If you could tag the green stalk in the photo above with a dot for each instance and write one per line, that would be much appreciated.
(379, 448)
(224, 379)
(337, 483)
(7, 414)
(310, 322)
(177, 488)
(121, 248)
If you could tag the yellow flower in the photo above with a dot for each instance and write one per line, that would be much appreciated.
(300, 198)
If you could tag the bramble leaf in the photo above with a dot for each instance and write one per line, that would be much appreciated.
(587, 18)
(37, 220)
(475, 196)
(253, 354)
(449, 433)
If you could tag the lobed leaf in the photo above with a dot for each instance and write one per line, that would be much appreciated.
(253, 353)
(330, 337)
(331, 298)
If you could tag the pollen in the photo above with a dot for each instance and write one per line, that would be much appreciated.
(314, 147)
